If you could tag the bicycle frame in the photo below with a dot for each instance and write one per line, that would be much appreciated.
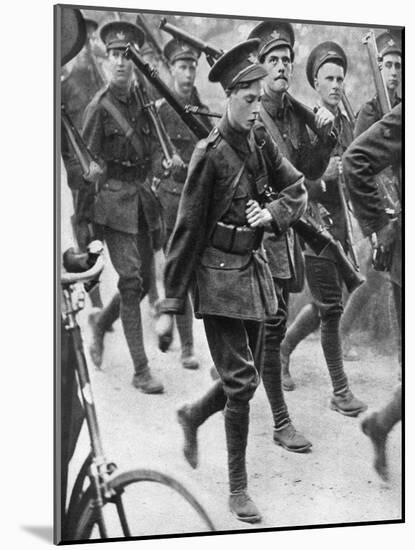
(95, 466)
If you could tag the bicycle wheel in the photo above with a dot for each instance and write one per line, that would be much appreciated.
(144, 503)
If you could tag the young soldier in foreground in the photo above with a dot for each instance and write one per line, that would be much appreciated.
(216, 243)
(378, 147)
(326, 69)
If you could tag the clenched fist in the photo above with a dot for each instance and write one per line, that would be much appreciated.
(164, 331)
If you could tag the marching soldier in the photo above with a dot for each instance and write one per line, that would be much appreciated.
(183, 61)
(216, 242)
(389, 48)
(379, 147)
(118, 132)
(287, 122)
(326, 69)
(390, 53)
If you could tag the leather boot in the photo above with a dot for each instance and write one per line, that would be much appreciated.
(377, 427)
(236, 428)
(291, 440)
(347, 404)
(370, 427)
(146, 382)
(243, 507)
(189, 361)
(190, 417)
(306, 322)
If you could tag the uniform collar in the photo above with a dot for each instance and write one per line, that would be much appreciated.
(271, 107)
(121, 94)
(237, 140)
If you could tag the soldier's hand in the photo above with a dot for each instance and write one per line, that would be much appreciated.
(176, 162)
(94, 173)
(332, 170)
(384, 243)
(387, 235)
(257, 216)
(324, 118)
(164, 331)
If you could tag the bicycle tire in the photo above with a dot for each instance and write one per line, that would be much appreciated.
(89, 515)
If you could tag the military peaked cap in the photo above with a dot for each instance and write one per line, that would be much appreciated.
(237, 65)
(321, 54)
(273, 34)
(177, 49)
(117, 34)
(389, 42)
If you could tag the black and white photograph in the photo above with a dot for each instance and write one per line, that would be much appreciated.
(228, 196)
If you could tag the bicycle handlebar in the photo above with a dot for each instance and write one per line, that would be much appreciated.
(78, 265)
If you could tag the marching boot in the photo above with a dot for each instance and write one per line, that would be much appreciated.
(285, 433)
(342, 400)
(190, 417)
(236, 428)
(306, 322)
(377, 427)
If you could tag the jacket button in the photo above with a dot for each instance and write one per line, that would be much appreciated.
(222, 264)
(284, 136)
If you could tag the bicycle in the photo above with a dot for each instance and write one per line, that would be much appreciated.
(99, 483)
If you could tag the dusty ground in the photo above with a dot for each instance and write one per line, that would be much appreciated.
(335, 483)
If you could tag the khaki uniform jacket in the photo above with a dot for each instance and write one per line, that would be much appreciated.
(183, 139)
(310, 155)
(126, 186)
(375, 149)
(328, 195)
(229, 285)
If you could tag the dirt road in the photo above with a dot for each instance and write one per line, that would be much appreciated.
(335, 483)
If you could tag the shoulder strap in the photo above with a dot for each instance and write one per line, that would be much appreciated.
(123, 124)
(274, 131)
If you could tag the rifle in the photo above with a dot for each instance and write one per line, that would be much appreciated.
(163, 137)
(374, 59)
(319, 240)
(151, 39)
(212, 54)
(349, 109)
(78, 145)
(341, 184)
(151, 74)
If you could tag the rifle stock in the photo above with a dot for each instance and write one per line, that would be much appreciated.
(141, 22)
(77, 143)
(320, 240)
(381, 90)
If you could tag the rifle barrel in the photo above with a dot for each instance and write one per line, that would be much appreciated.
(151, 74)
(78, 145)
(384, 101)
(206, 48)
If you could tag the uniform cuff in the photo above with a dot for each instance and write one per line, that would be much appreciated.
(171, 305)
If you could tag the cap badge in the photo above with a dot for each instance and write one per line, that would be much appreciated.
(252, 58)
(391, 42)
(276, 35)
(120, 35)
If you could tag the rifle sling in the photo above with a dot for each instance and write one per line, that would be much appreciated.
(124, 125)
(274, 131)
